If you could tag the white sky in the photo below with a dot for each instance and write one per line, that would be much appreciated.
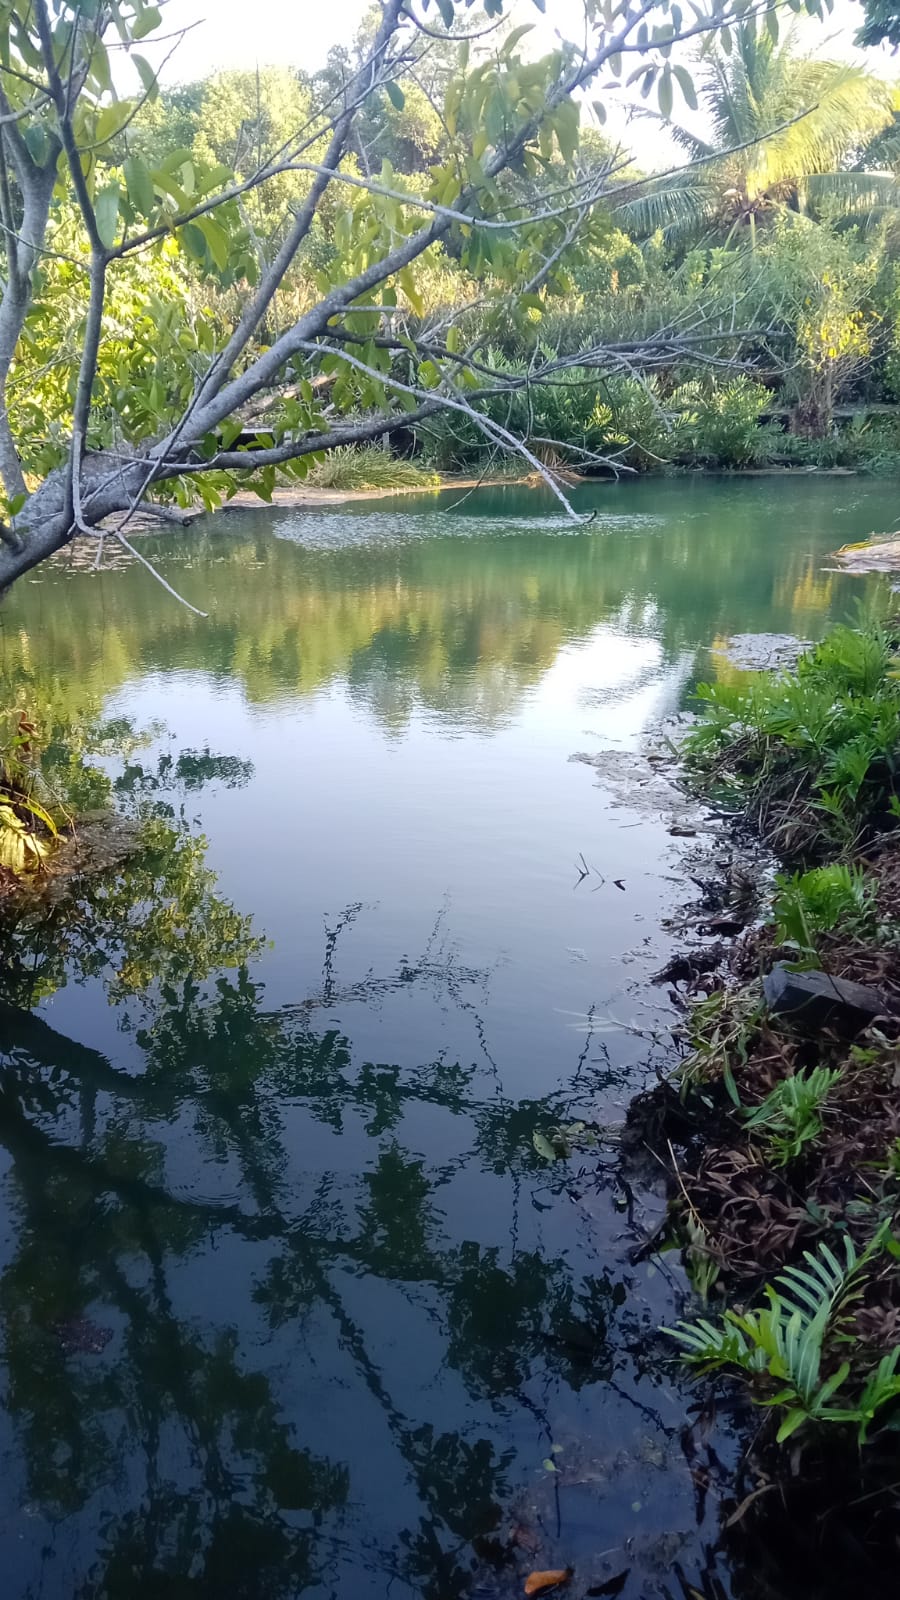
(299, 33)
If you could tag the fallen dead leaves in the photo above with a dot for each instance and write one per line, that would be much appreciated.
(543, 1582)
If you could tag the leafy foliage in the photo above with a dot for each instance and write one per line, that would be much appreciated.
(790, 1116)
(28, 831)
(720, 422)
(830, 730)
(779, 119)
(358, 467)
(810, 903)
(787, 1345)
(210, 287)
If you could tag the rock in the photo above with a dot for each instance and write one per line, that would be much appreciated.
(816, 1000)
(872, 555)
(724, 926)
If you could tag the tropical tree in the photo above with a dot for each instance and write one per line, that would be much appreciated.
(786, 130)
(353, 363)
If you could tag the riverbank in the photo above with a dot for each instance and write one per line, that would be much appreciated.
(781, 1128)
(303, 498)
(309, 499)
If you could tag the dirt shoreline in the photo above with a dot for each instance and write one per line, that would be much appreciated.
(310, 498)
(302, 498)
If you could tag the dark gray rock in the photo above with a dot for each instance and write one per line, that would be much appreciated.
(816, 1000)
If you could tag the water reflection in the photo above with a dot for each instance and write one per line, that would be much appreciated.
(250, 1348)
(290, 1301)
(411, 614)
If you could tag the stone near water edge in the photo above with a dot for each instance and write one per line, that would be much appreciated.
(817, 1001)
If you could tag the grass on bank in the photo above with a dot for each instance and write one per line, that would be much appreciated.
(352, 468)
(791, 1195)
(813, 755)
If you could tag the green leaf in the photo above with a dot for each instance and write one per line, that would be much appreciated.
(100, 71)
(167, 184)
(139, 184)
(730, 1085)
(664, 92)
(217, 240)
(445, 7)
(37, 810)
(794, 1420)
(36, 141)
(395, 95)
(231, 430)
(517, 34)
(149, 19)
(543, 1146)
(106, 211)
(147, 75)
(686, 84)
(112, 120)
(193, 240)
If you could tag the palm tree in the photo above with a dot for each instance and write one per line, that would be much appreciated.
(786, 130)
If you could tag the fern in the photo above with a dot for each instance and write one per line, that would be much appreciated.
(786, 1340)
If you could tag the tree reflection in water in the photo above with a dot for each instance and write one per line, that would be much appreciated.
(251, 1346)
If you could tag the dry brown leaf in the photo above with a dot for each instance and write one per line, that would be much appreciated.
(540, 1582)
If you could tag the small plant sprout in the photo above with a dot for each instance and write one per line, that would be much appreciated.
(790, 1116)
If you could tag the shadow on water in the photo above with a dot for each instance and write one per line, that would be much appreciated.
(290, 1301)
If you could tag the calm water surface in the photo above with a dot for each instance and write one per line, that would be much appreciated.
(289, 1301)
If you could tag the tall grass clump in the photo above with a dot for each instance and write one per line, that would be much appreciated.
(366, 467)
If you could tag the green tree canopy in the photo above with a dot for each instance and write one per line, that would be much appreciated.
(342, 352)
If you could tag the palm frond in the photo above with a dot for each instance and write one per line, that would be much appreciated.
(680, 211)
(863, 196)
(698, 149)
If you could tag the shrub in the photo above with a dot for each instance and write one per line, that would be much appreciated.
(720, 422)
(813, 752)
(27, 829)
(789, 1117)
(784, 1345)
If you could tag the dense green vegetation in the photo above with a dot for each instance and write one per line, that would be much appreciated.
(797, 1185)
(772, 250)
(429, 242)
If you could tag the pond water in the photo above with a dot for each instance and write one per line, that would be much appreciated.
(290, 1302)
